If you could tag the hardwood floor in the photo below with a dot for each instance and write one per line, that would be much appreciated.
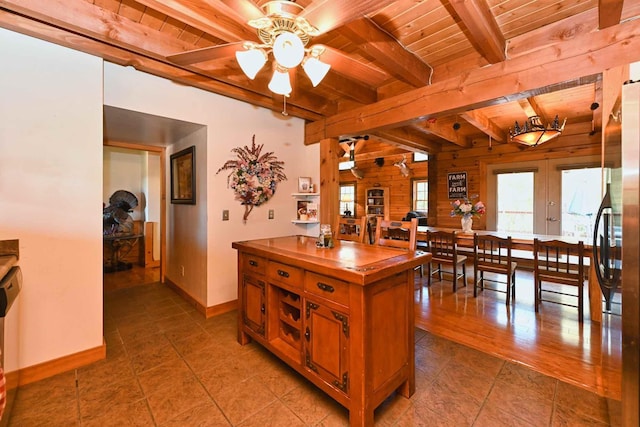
(552, 342)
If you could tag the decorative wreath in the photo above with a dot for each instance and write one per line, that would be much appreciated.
(253, 177)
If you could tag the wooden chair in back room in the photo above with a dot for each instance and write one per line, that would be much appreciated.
(397, 234)
(492, 254)
(351, 229)
(444, 252)
(561, 263)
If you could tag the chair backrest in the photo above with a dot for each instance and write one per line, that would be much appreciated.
(397, 234)
(559, 262)
(442, 245)
(492, 253)
(351, 229)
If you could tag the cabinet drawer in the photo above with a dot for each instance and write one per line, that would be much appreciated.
(327, 287)
(254, 264)
(285, 274)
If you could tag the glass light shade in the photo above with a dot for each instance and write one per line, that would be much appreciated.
(533, 132)
(315, 69)
(280, 82)
(288, 50)
(251, 61)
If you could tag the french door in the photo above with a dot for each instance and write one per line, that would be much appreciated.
(554, 197)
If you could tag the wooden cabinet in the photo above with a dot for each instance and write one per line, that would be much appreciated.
(377, 202)
(342, 317)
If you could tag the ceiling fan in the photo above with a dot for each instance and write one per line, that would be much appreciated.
(285, 29)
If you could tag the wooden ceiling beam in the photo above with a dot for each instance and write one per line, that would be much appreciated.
(393, 57)
(432, 127)
(484, 32)
(585, 55)
(409, 139)
(609, 13)
(326, 15)
(204, 17)
(531, 107)
(484, 124)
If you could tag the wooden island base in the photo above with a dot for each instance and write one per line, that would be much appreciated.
(342, 317)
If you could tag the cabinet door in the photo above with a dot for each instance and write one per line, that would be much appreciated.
(253, 301)
(326, 344)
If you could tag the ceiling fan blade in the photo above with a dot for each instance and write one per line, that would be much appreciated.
(326, 15)
(205, 54)
(244, 8)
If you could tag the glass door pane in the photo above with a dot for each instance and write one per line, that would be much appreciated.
(580, 201)
(515, 202)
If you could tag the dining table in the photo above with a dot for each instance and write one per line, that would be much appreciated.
(524, 242)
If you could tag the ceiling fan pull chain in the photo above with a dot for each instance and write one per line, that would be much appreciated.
(284, 109)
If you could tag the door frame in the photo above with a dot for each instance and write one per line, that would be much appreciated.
(163, 193)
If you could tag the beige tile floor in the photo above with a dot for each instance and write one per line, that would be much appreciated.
(168, 366)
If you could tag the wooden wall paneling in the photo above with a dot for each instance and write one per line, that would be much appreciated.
(330, 152)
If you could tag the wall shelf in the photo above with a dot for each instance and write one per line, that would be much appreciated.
(306, 204)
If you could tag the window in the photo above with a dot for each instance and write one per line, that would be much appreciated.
(420, 195)
(347, 199)
(579, 207)
(420, 157)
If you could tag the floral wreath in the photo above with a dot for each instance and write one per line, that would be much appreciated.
(253, 177)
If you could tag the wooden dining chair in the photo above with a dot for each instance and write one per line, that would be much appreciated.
(444, 252)
(351, 229)
(397, 234)
(562, 263)
(492, 254)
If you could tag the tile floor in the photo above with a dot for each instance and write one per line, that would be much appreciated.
(168, 366)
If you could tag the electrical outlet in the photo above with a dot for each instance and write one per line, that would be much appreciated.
(225, 215)
(182, 270)
(271, 214)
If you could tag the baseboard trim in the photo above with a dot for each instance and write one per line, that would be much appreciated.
(207, 312)
(63, 364)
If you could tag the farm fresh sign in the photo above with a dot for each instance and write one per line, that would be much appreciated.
(457, 185)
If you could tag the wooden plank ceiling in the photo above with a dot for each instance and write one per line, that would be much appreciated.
(386, 57)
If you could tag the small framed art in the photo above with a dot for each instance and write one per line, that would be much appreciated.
(183, 174)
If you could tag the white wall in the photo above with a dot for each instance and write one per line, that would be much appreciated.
(51, 191)
(125, 169)
(229, 124)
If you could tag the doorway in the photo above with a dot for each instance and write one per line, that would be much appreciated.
(136, 169)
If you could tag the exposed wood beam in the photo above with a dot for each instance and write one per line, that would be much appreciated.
(326, 15)
(484, 32)
(386, 50)
(609, 13)
(532, 108)
(612, 80)
(561, 31)
(512, 79)
(409, 140)
(355, 70)
(484, 124)
(204, 17)
(123, 57)
(432, 127)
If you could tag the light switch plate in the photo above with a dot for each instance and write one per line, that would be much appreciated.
(271, 214)
(225, 215)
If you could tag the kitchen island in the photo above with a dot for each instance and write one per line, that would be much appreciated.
(342, 317)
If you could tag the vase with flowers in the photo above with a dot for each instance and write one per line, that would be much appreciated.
(466, 209)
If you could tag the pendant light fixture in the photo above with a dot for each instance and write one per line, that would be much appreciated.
(534, 133)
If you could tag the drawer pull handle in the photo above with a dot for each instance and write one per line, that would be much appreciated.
(283, 273)
(325, 287)
(253, 263)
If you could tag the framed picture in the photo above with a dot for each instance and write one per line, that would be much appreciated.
(183, 173)
(304, 184)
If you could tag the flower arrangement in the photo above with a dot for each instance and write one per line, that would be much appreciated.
(467, 208)
(253, 177)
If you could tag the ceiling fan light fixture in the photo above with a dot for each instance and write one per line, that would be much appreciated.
(251, 61)
(280, 82)
(288, 50)
(315, 69)
(534, 133)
